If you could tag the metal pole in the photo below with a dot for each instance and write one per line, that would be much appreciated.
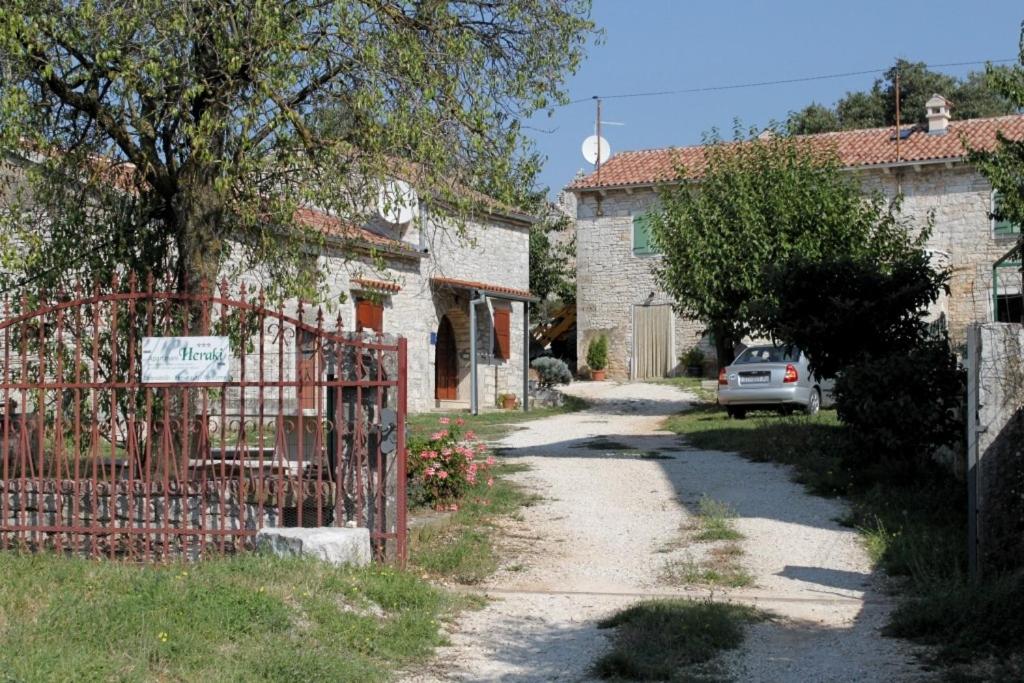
(897, 113)
(474, 403)
(599, 140)
(526, 356)
(403, 409)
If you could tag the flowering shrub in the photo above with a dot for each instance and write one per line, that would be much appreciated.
(443, 467)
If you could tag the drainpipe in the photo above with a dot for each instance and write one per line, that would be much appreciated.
(474, 407)
(526, 356)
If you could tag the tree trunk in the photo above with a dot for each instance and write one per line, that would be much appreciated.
(725, 346)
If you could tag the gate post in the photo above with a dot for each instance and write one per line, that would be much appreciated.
(402, 502)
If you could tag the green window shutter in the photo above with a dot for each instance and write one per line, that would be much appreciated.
(1002, 227)
(642, 245)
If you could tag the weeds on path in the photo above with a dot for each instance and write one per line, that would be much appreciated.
(673, 640)
(721, 564)
(914, 531)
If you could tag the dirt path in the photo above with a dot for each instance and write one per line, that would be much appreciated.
(616, 491)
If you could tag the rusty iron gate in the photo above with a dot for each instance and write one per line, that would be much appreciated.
(308, 429)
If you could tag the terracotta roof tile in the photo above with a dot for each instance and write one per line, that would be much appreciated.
(334, 226)
(855, 148)
(377, 285)
(483, 286)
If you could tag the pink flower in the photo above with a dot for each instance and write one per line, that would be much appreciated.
(490, 482)
(444, 420)
(471, 435)
(437, 436)
(442, 474)
(428, 473)
(491, 460)
(481, 447)
(447, 453)
(460, 422)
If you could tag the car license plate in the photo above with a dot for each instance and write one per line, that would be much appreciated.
(756, 378)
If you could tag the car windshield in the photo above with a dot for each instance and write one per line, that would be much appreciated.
(768, 354)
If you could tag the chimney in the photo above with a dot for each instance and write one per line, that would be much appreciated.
(937, 110)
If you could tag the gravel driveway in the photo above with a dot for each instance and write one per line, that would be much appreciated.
(597, 543)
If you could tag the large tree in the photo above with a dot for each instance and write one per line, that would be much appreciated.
(972, 97)
(754, 204)
(202, 125)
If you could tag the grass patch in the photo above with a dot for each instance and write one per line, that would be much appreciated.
(672, 640)
(250, 617)
(914, 531)
(721, 569)
(715, 520)
(491, 426)
(462, 549)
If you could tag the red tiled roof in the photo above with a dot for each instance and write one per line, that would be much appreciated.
(855, 148)
(482, 286)
(334, 226)
(377, 285)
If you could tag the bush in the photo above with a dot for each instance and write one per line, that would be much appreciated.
(597, 353)
(445, 465)
(692, 358)
(901, 408)
(552, 371)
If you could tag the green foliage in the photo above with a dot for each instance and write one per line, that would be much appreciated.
(901, 407)
(552, 371)
(1004, 167)
(550, 269)
(221, 119)
(597, 353)
(445, 465)
(973, 96)
(248, 617)
(821, 305)
(757, 203)
(694, 357)
(670, 640)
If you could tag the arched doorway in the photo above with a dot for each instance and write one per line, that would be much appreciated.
(446, 363)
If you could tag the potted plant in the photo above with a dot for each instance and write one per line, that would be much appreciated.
(693, 361)
(507, 401)
(597, 357)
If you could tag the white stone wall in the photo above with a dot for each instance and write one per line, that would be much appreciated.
(611, 279)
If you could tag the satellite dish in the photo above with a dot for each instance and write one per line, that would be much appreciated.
(592, 145)
(397, 202)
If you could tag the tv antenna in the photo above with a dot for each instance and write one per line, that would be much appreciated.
(397, 202)
(596, 149)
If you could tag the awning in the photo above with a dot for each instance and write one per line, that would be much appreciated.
(376, 285)
(496, 291)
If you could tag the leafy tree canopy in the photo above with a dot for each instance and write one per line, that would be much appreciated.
(755, 204)
(551, 270)
(973, 96)
(216, 120)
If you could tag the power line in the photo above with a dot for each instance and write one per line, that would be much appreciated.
(784, 81)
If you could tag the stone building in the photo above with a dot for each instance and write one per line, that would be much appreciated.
(426, 281)
(617, 294)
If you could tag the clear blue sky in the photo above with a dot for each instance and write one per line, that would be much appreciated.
(674, 44)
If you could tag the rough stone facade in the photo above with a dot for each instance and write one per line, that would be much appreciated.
(612, 280)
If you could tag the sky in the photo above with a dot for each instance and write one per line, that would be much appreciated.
(653, 45)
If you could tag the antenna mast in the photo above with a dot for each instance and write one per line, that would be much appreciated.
(898, 132)
(598, 132)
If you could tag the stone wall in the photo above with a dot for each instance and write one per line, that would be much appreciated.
(611, 280)
(995, 442)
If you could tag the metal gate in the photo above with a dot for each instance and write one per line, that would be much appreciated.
(307, 430)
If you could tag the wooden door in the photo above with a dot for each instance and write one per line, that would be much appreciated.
(446, 363)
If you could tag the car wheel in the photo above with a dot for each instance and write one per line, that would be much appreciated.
(813, 402)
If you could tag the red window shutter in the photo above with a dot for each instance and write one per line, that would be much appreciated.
(502, 347)
(369, 316)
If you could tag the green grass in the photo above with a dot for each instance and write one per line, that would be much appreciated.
(720, 570)
(714, 520)
(244, 618)
(672, 640)
(913, 531)
(492, 425)
(463, 547)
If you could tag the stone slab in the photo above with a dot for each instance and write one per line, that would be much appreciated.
(336, 545)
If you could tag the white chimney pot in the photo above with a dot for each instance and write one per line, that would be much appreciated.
(937, 110)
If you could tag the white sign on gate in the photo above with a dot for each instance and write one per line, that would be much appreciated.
(181, 360)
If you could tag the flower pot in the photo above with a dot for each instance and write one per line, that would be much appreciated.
(508, 402)
(597, 375)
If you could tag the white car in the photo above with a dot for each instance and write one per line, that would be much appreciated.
(772, 378)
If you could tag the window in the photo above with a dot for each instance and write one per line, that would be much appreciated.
(502, 347)
(642, 244)
(1002, 228)
(1009, 308)
(369, 315)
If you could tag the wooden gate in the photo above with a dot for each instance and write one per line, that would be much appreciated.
(305, 426)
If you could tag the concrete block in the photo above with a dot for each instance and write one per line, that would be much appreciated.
(336, 545)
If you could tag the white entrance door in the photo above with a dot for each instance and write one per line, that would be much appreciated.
(653, 342)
